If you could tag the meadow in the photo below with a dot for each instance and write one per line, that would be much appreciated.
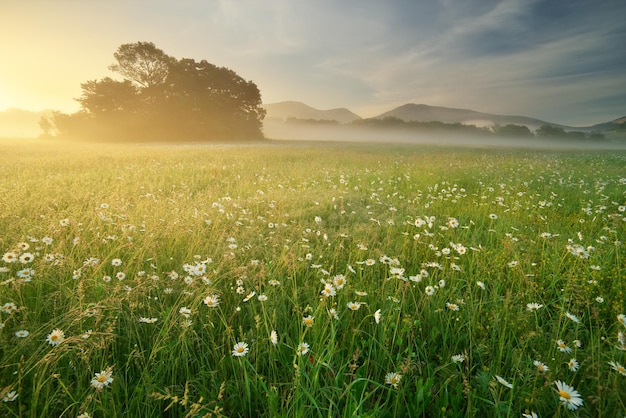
(311, 280)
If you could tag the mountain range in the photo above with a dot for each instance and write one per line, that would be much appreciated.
(420, 113)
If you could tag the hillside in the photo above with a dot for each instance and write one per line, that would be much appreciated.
(286, 110)
(19, 123)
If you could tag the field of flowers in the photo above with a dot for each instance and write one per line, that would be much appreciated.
(311, 280)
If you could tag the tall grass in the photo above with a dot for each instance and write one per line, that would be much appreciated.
(429, 257)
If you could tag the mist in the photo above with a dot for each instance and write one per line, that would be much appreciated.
(276, 129)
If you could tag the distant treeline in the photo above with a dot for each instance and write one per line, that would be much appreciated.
(435, 127)
(162, 99)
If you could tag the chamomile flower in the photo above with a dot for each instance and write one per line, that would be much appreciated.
(308, 321)
(212, 301)
(22, 333)
(8, 308)
(329, 290)
(377, 315)
(573, 365)
(452, 306)
(102, 379)
(533, 306)
(10, 396)
(618, 367)
(458, 358)
(353, 305)
(240, 349)
(504, 382)
(621, 318)
(530, 415)
(393, 379)
(184, 311)
(562, 346)
(10, 257)
(541, 367)
(303, 348)
(568, 395)
(429, 290)
(55, 337)
(274, 337)
(572, 317)
(116, 262)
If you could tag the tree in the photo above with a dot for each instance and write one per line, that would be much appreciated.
(162, 98)
(142, 63)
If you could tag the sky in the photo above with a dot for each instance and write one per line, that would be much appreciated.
(562, 61)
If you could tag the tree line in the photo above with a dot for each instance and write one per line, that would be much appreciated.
(161, 98)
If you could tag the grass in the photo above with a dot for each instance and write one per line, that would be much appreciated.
(428, 253)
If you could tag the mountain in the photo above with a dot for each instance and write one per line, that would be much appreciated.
(286, 110)
(19, 123)
(424, 113)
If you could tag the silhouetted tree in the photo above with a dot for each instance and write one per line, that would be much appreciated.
(513, 131)
(162, 98)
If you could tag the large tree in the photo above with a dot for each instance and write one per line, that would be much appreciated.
(162, 98)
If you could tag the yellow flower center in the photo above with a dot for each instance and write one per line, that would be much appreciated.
(102, 378)
(621, 369)
(54, 337)
(565, 395)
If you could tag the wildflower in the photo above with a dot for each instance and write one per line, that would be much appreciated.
(563, 347)
(481, 285)
(10, 257)
(618, 368)
(353, 305)
(303, 348)
(21, 333)
(212, 301)
(249, 296)
(530, 415)
(377, 316)
(143, 319)
(572, 317)
(621, 318)
(541, 367)
(8, 308)
(116, 262)
(600, 299)
(393, 379)
(102, 379)
(577, 343)
(87, 334)
(274, 337)
(329, 290)
(240, 349)
(360, 293)
(120, 275)
(442, 283)
(573, 365)
(453, 223)
(493, 216)
(333, 312)
(83, 415)
(55, 337)
(568, 395)
(370, 262)
(504, 382)
(106, 278)
(458, 358)
(64, 222)
(10, 397)
(262, 298)
(533, 306)
(452, 306)
(430, 290)
(184, 311)
(274, 282)
(308, 321)
(339, 281)
(27, 258)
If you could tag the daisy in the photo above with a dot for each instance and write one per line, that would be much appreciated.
(303, 348)
(618, 368)
(27, 258)
(563, 347)
(10, 257)
(102, 379)
(458, 358)
(212, 301)
(329, 290)
(353, 305)
(621, 318)
(8, 308)
(274, 337)
(120, 275)
(568, 395)
(55, 337)
(240, 349)
(541, 367)
(116, 262)
(481, 285)
(308, 321)
(377, 316)
(393, 379)
(249, 296)
(531, 415)
(184, 311)
(262, 298)
(274, 282)
(573, 364)
(504, 382)
(452, 306)
(21, 333)
(533, 306)
(430, 290)
(572, 317)
(144, 320)
(10, 397)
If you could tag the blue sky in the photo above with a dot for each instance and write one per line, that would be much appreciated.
(561, 61)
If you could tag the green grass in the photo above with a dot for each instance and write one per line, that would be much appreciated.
(280, 221)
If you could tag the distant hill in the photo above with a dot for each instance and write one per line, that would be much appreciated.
(424, 113)
(286, 110)
(19, 123)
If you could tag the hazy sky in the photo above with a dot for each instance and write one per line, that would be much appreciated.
(563, 61)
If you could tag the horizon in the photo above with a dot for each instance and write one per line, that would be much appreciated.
(554, 62)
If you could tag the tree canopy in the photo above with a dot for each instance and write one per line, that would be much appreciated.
(163, 99)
